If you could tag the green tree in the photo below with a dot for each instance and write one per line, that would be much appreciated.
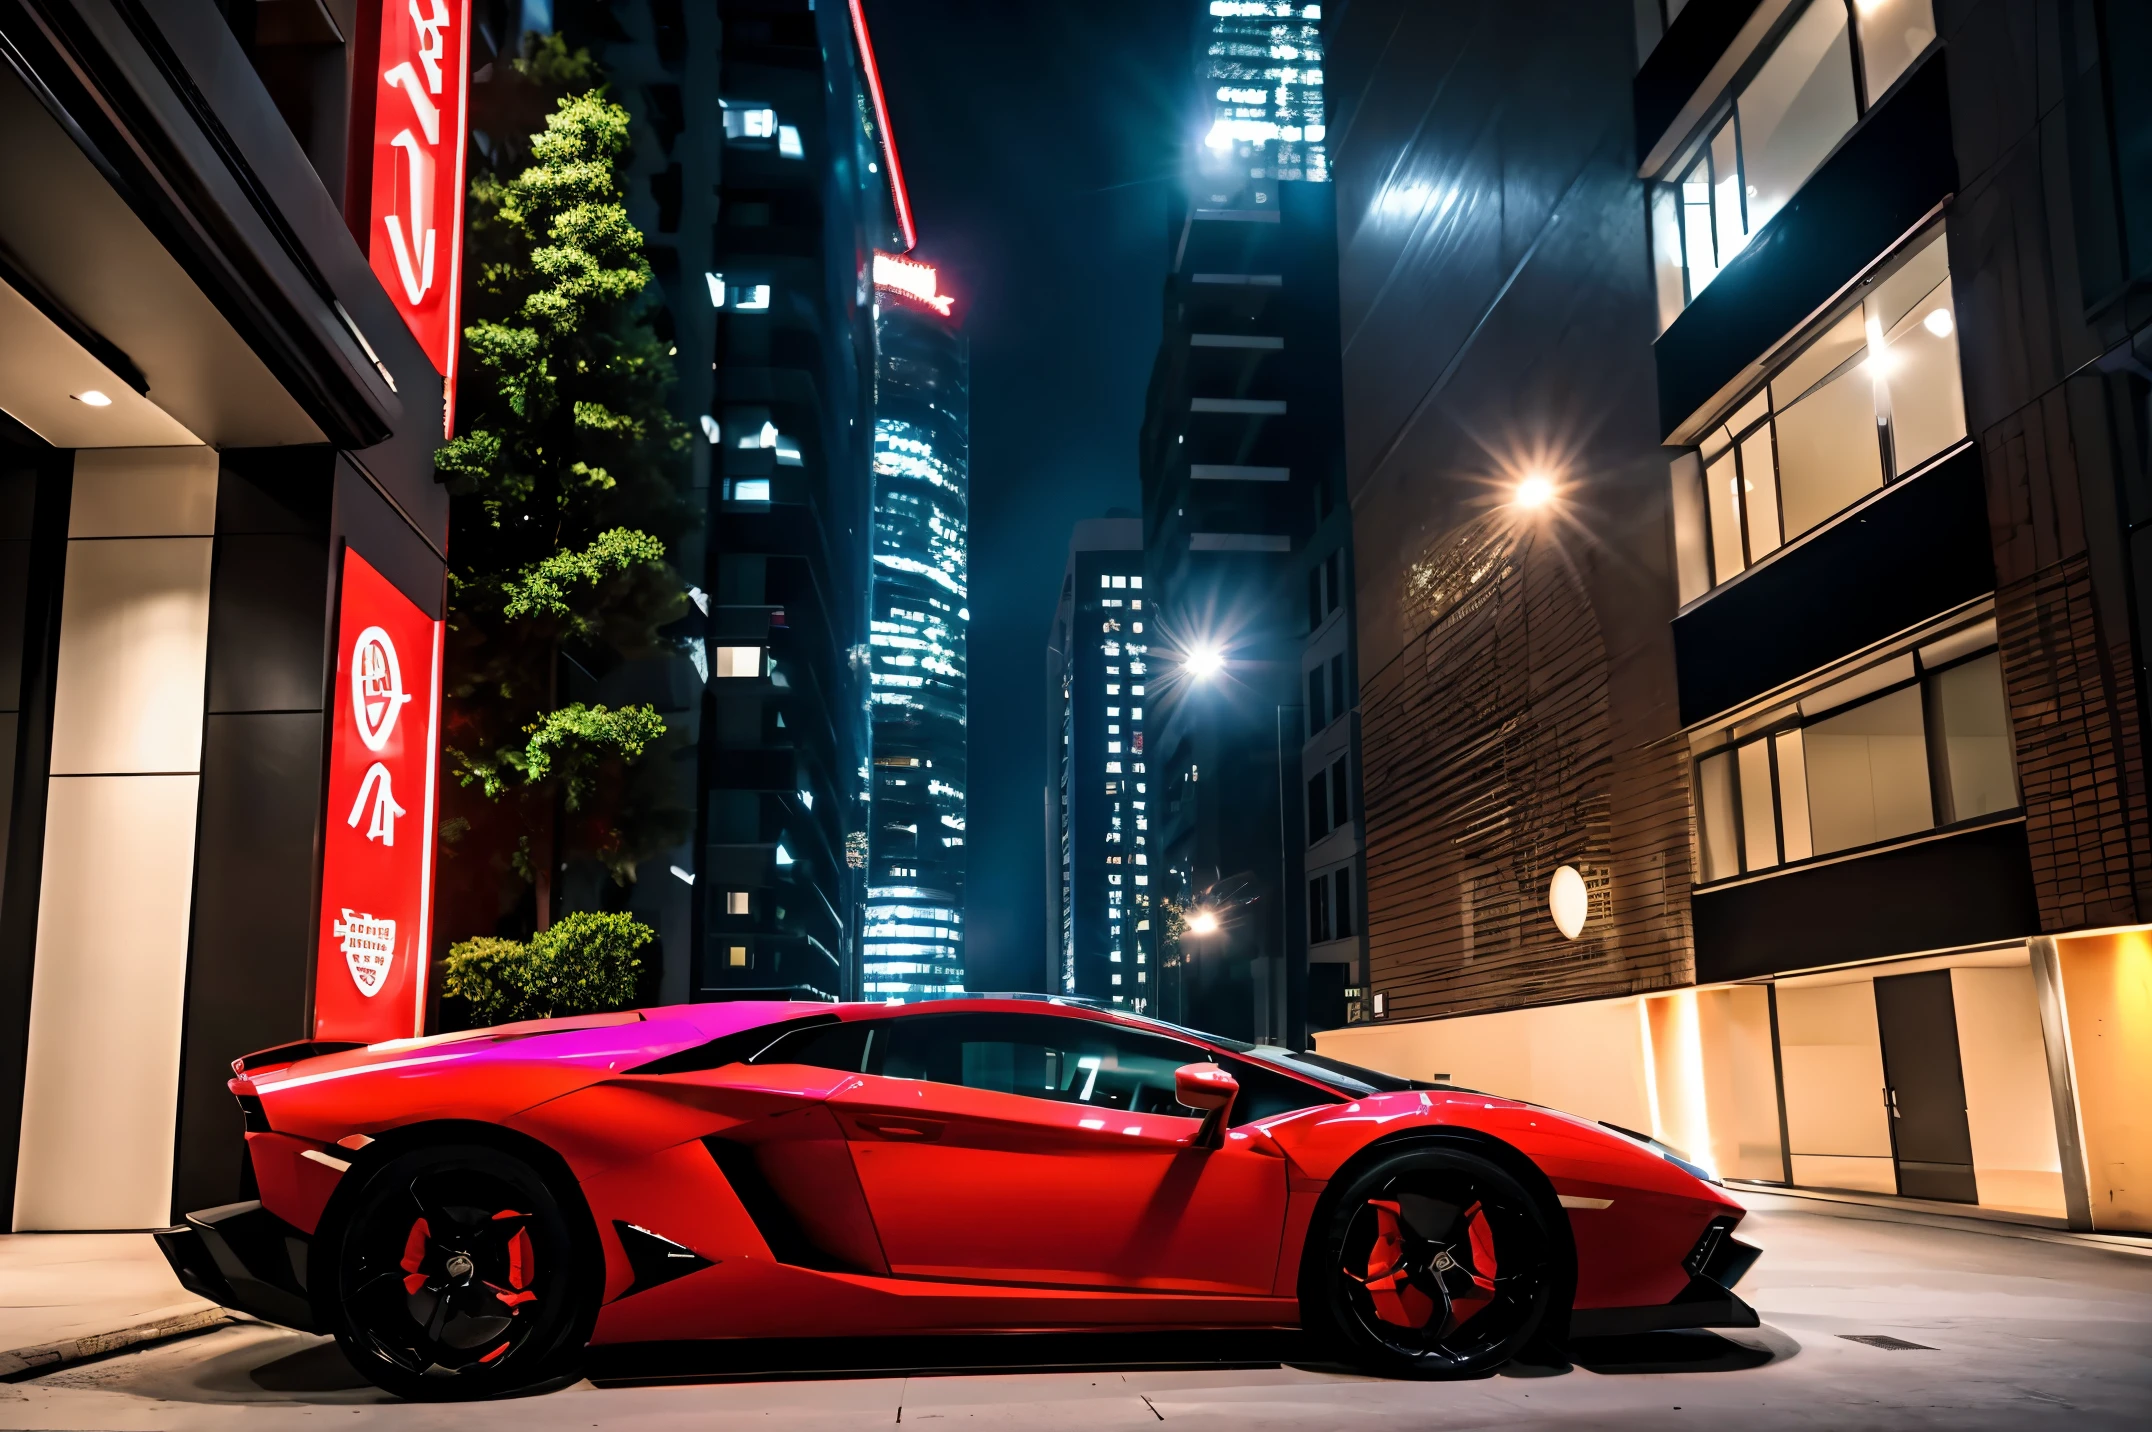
(568, 483)
(583, 963)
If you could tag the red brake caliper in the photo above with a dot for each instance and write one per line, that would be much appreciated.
(522, 1266)
(1481, 1236)
(1397, 1301)
(414, 1257)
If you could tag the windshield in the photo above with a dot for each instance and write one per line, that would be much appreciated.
(1348, 1079)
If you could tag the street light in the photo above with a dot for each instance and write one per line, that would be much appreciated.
(1537, 490)
(1203, 922)
(1203, 662)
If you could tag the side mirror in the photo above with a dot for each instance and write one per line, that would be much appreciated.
(1209, 1088)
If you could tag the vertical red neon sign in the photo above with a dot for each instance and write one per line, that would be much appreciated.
(377, 859)
(415, 240)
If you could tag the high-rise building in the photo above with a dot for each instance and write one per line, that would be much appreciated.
(1102, 887)
(1754, 641)
(912, 944)
(764, 178)
(1241, 459)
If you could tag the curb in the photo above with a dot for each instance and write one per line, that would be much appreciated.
(25, 1362)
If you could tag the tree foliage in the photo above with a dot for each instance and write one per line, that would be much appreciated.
(568, 483)
(584, 963)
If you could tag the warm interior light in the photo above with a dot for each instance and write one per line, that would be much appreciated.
(1204, 662)
(93, 398)
(1939, 323)
(1537, 490)
(1202, 922)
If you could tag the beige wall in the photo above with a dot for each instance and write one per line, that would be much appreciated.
(1586, 1059)
(1836, 1126)
(2107, 994)
(2007, 1104)
(100, 1086)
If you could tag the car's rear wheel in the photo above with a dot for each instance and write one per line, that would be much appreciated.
(1430, 1262)
(456, 1275)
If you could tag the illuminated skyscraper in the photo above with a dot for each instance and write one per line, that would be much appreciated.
(1242, 456)
(912, 946)
(1098, 793)
(1262, 69)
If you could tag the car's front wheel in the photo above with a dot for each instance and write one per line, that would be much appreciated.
(456, 1275)
(1430, 1262)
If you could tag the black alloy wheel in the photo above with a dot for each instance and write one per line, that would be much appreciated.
(457, 1276)
(1432, 1262)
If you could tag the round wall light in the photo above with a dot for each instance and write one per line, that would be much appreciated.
(90, 397)
(1568, 901)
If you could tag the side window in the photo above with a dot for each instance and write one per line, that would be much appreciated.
(1041, 1056)
(824, 1046)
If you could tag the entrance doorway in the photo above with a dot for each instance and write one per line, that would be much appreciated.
(1931, 1140)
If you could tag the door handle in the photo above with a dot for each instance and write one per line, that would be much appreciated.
(911, 1130)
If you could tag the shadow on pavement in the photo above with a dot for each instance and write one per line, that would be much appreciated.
(316, 1369)
(1688, 1351)
(809, 1358)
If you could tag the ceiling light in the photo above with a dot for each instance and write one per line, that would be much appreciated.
(1939, 323)
(93, 398)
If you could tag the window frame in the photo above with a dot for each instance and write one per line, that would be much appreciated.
(1725, 111)
(1941, 799)
(1817, 331)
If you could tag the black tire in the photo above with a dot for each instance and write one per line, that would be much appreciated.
(1431, 1262)
(454, 1273)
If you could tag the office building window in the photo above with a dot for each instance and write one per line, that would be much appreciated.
(1318, 808)
(1918, 742)
(1316, 717)
(1338, 702)
(1340, 790)
(1315, 598)
(1869, 399)
(1318, 909)
(1341, 905)
(1808, 91)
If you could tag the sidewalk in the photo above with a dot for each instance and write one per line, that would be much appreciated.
(68, 1296)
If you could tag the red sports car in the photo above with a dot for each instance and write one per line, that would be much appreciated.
(468, 1213)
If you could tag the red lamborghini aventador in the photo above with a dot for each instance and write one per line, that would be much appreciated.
(468, 1213)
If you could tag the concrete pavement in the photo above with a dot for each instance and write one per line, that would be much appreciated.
(2014, 1328)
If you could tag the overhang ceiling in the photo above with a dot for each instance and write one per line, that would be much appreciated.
(97, 269)
(45, 375)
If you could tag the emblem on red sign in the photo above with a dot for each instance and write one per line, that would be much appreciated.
(377, 867)
(422, 72)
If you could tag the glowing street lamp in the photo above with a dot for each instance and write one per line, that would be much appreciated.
(1537, 490)
(1203, 922)
(1203, 662)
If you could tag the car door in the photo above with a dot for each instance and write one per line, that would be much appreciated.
(1040, 1148)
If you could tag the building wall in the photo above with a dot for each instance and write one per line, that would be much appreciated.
(1516, 673)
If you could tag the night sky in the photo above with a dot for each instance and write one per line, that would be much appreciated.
(1034, 136)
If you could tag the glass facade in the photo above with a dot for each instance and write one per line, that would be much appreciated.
(1263, 88)
(912, 942)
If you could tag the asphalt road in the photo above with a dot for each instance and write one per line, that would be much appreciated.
(2014, 1330)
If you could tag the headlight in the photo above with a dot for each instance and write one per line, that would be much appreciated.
(1668, 1152)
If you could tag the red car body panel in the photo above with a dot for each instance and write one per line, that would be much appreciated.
(869, 1204)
